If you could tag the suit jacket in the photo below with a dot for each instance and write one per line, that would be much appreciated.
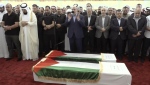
(85, 13)
(75, 27)
(39, 17)
(132, 29)
(60, 20)
(115, 28)
(113, 17)
(98, 25)
(92, 24)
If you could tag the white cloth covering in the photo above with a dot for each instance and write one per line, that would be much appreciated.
(147, 32)
(3, 45)
(29, 36)
(104, 56)
(111, 73)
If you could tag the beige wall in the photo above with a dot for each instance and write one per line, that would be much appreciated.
(116, 4)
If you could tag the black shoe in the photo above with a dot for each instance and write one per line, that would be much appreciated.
(19, 59)
(8, 59)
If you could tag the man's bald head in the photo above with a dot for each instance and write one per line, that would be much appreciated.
(8, 4)
(137, 12)
(9, 8)
(103, 11)
(59, 11)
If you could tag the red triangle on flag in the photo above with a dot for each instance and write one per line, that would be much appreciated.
(55, 53)
(47, 62)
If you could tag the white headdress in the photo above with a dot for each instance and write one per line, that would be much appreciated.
(24, 6)
(2, 5)
(23, 16)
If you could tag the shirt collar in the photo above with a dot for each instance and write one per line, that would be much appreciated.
(118, 18)
(136, 18)
(10, 14)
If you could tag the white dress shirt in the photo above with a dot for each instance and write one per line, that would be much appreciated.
(89, 18)
(103, 20)
(119, 21)
(147, 33)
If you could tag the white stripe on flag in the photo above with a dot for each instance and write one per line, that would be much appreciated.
(78, 65)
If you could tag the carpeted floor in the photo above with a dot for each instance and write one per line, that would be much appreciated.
(20, 73)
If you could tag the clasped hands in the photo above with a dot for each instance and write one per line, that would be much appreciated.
(48, 27)
(138, 34)
(103, 29)
(120, 28)
(70, 16)
(89, 28)
(7, 28)
(24, 23)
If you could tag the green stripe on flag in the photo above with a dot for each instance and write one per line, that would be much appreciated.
(80, 59)
(69, 73)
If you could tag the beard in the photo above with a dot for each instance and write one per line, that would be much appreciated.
(137, 16)
(99, 12)
(1, 10)
(25, 13)
(124, 13)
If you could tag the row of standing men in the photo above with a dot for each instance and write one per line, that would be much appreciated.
(100, 32)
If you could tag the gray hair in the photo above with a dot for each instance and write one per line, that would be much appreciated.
(104, 8)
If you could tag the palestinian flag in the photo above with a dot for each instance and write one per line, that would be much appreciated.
(67, 71)
(58, 55)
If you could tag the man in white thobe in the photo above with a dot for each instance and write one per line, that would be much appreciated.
(3, 45)
(28, 33)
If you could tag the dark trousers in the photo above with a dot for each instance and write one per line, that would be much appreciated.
(75, 42)
(41, 47)
(145, 47)
(60, 41)
(101, 44)
(117, 46)
(13, 39)
(134, 48)
(124, 46)
(89, 42)
(49, 42)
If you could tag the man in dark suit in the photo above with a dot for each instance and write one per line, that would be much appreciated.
(60, 31)
(89, 30)
(110, 13)
(39, 17)
(75, 22)
(88, 5)
(136, 26)
(118, 34)
(125, 15)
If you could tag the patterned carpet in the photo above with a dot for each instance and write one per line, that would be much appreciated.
(20, 73)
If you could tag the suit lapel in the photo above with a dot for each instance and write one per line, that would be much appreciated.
(100, 20)
(105, 21)
(86, 20)
(117, 22)
(121, 22)
(91, 20)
